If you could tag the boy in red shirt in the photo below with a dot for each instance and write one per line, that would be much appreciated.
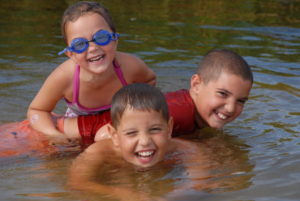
(217, 94)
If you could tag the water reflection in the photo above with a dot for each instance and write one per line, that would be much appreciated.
(171, 36)
(222, 165)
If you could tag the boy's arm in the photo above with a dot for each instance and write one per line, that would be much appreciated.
(88, 127)
(102, 133)
(197, 165)
(202, 161)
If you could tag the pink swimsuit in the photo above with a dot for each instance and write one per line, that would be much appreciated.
(75, 108)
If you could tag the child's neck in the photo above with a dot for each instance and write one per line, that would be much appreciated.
(98, 79)
(199, 121)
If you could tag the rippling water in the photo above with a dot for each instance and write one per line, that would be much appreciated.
(262, 156)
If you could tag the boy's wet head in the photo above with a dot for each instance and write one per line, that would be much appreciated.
(220, 88)
(82, 8)
(141, 128)
(222, 60)
(138, 96)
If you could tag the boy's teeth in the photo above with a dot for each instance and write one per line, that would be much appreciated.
(222, 116)
(145, 153)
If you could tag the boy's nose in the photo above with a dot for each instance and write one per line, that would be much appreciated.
(230, 107)
(144, 139)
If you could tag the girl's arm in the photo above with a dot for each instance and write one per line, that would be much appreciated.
(39, 111)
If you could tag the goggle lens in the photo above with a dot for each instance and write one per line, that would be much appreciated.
(102, 37)
(79, 45)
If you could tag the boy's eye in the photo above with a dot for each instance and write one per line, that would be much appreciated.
(222, 93)
(155, 130)
(130, 133)
(241, 101)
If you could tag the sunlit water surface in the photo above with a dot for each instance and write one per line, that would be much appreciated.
(257, 157)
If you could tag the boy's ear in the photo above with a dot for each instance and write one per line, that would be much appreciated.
(113, 134)
(196, 81)
(170, 127)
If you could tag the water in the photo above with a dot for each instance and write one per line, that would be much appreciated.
(256, 157)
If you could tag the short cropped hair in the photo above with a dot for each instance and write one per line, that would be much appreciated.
(81, 8)
(138, 96)
(217, 61)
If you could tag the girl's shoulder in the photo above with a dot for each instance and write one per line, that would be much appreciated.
(127, 59)
(67, 66)
(62, 76)
(65, 70)
(134, 68)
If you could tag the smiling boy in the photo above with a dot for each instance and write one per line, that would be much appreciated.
(140, 138)
(220, 88)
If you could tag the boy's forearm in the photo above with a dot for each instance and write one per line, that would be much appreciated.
(90, 125)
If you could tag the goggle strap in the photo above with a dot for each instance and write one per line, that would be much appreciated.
(63, 51)
(115, 36)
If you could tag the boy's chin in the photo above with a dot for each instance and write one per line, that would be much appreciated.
(212, 123)
(216, 125)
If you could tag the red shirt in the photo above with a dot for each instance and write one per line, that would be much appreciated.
(181, 108)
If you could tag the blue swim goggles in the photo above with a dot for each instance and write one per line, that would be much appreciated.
(80, 45)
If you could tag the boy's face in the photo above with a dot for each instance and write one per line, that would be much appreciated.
(96, 58)
(142, 136)
(220, 101)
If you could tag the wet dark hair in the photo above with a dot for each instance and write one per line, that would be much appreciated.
(217, 61)
(81, 8)
(138, 96)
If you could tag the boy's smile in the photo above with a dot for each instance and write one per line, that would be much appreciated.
(220, 101)
(142, 136)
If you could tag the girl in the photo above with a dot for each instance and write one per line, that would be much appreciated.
(93, 73)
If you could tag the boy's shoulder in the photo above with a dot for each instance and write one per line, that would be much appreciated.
(185, 148)
(183, 110)
(100, 147)
(100, 152)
